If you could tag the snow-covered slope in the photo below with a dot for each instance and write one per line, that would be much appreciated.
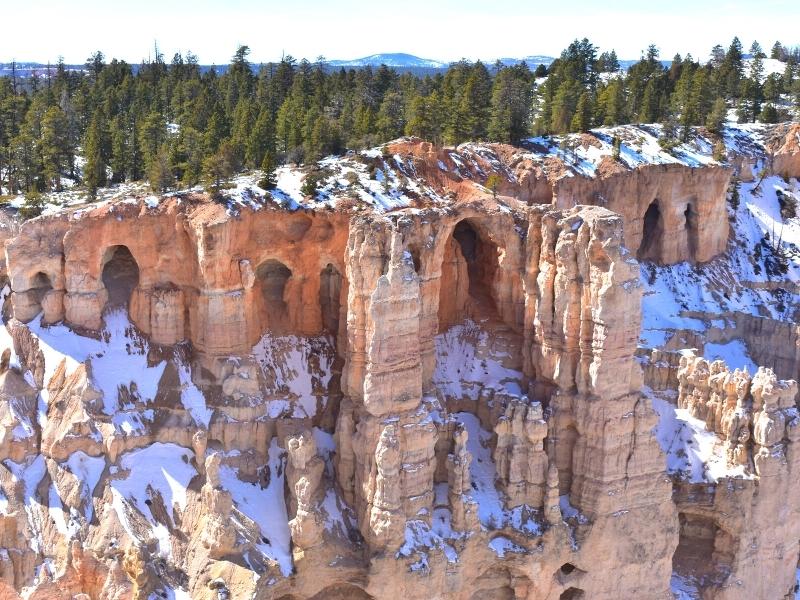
(758, 274)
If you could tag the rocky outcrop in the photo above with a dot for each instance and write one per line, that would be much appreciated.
(783, 149)
(671, 213)
(195, 274)
(522, 464)
(729, 526)
(303, 476)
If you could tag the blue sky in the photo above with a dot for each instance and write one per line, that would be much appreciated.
(41, 30)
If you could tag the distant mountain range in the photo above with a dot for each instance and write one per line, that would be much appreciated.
(400, 61)
(396, 60)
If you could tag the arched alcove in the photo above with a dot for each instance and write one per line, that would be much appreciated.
(495, 583)
(330, 289)
(567, 568)
(120, 275)
(468, 271)
(272, 277)
(572, 594)
(342, 591)
(705, 551)
(652, 233)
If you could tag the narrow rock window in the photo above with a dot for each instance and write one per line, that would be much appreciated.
(652, 230)
(120, 276)
(272, 276)
(691, 229)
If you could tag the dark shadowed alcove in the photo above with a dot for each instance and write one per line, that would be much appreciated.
(120, 275)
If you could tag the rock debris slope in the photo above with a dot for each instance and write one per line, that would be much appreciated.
(411, 384)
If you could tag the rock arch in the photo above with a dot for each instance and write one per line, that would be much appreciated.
(469, 267)
(120, 276)
(272, 277)
(652, 233)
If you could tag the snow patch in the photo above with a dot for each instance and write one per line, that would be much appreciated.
(265, 507)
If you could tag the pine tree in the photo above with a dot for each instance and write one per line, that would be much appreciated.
(611, 103)
(318, 135)
(715, 122)
(796, 93)
(582, 120)
(733, 67)
(152, 135)
(769, 114)
(187, 156)
(26, 173)
(733, 197)
(473, 108)
(772, 88)
(262, 138)
(390, 122)
(159, 174)
(94, 171)
(510, 106)
(669, 136)
(54, 147)
(720, 151)
(425, 118)
(120, 150)
(268, 180)
(216, 131)
(649, 112)
(616, 147)
(219, 167)
(289, 124)
(241, 130)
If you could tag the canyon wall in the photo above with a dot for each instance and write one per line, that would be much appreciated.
(435, 401)
(553, 410)
(668, 209)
